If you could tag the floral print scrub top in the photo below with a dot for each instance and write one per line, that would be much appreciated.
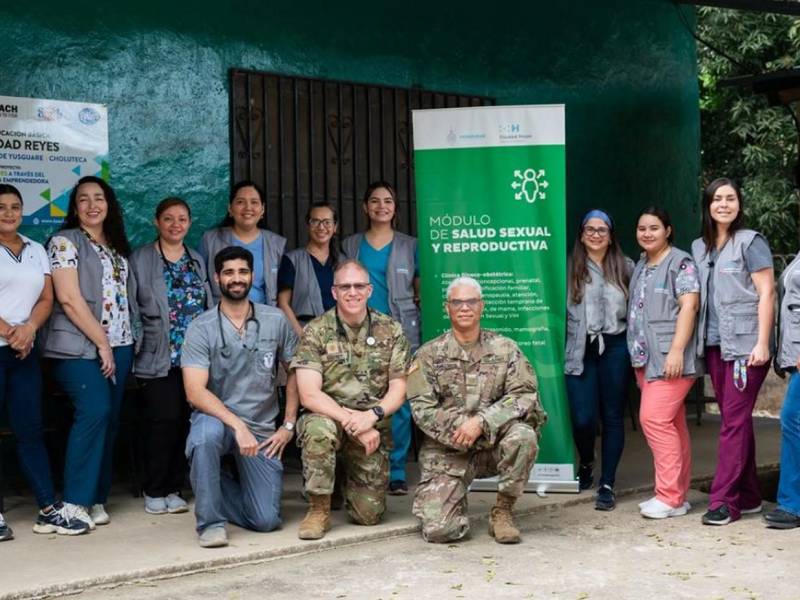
(686, 282)
(186, 298)
(115, 314)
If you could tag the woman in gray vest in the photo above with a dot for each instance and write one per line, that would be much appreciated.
(736, 318)
(172, 289)
(305, 278)
(245, 226)
(390, 257)
(90, 337)
(787, 514)
(597, 365)
(662, 309)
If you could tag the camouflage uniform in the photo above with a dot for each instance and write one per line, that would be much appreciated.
(447, 385)
(356, 376)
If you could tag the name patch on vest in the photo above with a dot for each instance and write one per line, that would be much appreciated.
(730, 267)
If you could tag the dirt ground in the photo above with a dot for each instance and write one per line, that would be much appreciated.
(573, 553)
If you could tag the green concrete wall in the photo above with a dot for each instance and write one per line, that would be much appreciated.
(626, 71)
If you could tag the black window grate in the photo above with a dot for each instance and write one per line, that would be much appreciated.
(305, 140)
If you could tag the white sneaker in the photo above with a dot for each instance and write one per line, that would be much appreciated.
(99, 515)
(646, 502)
(660, 510)
(78, 512)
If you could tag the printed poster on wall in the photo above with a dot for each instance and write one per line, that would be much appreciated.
(45, 147)
(491, 204)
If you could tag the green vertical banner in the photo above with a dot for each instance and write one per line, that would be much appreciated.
(491, 204)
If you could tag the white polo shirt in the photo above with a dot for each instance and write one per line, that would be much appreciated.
(21, 281)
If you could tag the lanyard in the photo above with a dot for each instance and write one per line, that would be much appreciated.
(740, 374)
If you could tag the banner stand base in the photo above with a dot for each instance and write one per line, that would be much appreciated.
(533, 486)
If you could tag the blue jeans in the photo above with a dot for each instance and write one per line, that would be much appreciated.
(253, 502)
(401, 442)
(789, 486)
(97, 402)
(21, 391)
(601, 390)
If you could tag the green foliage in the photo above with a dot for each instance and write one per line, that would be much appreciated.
(742, 136)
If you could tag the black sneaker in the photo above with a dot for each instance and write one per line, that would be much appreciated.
(59, 520)
(398, 488)
(5, 531)
(585, 476)
(605, 499)
(780, 519)
(718, 516)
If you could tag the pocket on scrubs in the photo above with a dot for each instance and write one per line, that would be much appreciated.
(267, 357)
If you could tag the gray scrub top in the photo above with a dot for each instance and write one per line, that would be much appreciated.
(243, 373)
(757, 256)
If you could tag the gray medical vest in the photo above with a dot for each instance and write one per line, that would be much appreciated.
(789, 316)
(735, 297)
(62, 338)
(153, 357)
(306, 293)
(661, 316)
(575, 349)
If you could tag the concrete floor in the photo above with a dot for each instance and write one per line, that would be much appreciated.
(137, 546)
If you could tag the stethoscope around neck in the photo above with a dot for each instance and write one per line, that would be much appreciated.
(225, 351)
(342, 333)
(194, 265)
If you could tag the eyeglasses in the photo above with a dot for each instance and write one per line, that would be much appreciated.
(326, 223)
(600, 231)
(345, 287)
(469, 302)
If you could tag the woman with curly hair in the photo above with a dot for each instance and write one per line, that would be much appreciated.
(90, 337)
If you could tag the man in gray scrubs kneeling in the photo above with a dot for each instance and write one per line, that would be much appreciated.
(230, 361)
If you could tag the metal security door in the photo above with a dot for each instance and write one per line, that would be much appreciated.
(305, 140)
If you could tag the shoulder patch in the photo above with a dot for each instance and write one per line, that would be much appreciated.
(414, 366)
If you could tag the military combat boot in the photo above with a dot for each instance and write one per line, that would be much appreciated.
(318, 518)
(501, 522)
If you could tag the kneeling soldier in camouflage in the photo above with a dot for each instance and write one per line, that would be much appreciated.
(473, 394)
(351, 375)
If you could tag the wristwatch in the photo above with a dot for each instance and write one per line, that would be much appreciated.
(288, 426)
(379, 412)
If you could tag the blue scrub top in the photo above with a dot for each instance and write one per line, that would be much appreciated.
(258, 293)
(376, 262)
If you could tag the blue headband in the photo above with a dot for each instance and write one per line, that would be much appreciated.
(597, 214)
